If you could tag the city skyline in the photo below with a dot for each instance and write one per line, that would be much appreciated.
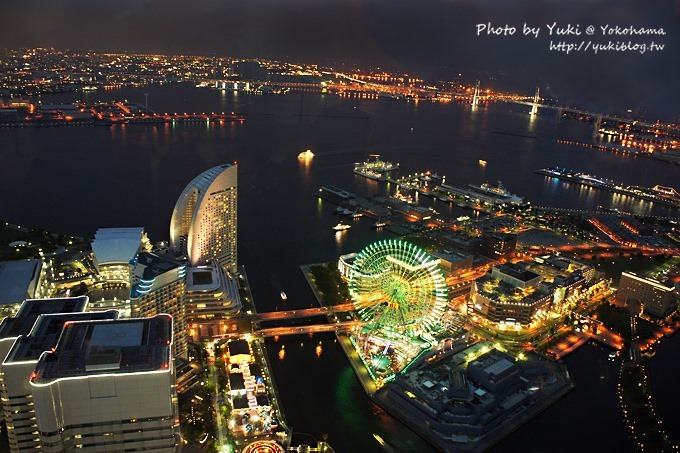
(400, 226)
(434, 39)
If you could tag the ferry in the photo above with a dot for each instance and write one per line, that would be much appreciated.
(379, 224)
(485, 193)
(482, 163)
(342, 226)
(374, 168)
(306, 155)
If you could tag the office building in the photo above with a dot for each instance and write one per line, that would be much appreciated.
(158, 286)
(108, 386)
(204, 223)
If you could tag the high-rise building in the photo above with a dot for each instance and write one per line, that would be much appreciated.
(158, 286)
(108, 386)
(19, 413)
(15, 333)
(203, 224)
(657, 299)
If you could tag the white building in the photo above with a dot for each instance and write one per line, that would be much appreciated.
(108, 386)
(203, 223)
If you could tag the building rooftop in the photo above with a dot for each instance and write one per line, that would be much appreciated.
(117, 245)
(110, 346)
(23, 321)
(237, 347)
(46, 331)
(203, 278)
(16, 278)
(517, 272)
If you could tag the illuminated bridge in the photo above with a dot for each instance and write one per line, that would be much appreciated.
(250, 323)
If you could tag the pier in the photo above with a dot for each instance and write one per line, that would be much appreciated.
(658, 194)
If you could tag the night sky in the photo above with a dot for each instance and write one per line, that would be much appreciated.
(432, 38)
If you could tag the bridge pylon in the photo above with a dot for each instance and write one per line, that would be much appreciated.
(537, 100)
(475, 95)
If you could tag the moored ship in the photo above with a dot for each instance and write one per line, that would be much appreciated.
(374, 168)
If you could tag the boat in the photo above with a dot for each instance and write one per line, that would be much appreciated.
(379, 224)
(482, 163)
(342, 226)
(357, 214)
(283, 295)
(374, 168)
(485, 193)
(306, 155)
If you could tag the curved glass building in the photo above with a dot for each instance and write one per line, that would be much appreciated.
(203, 223)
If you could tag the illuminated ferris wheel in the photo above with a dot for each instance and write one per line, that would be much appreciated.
(398, 288)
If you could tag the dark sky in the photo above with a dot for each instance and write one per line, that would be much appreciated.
(434, 38)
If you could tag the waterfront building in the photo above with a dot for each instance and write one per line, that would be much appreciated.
(113, 251)
(212, 297)
(19, 411)
(471, 398)
(656, 298)
(108, 386)
(20, 280)
(158, 286)
(204, 222)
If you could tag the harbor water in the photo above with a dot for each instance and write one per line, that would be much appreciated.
(77, 179)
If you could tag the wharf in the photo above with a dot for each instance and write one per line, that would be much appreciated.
(642, 193)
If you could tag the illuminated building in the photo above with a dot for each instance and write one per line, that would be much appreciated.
(211, 297)
(512, 294)
(20, 324)
(108, 386)
(470, 399)
(114, 248)
(203, 224)
(158, 286)
(22, 358)
(113, 251)
(657, 299)
(345, 265)
(252, 414)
